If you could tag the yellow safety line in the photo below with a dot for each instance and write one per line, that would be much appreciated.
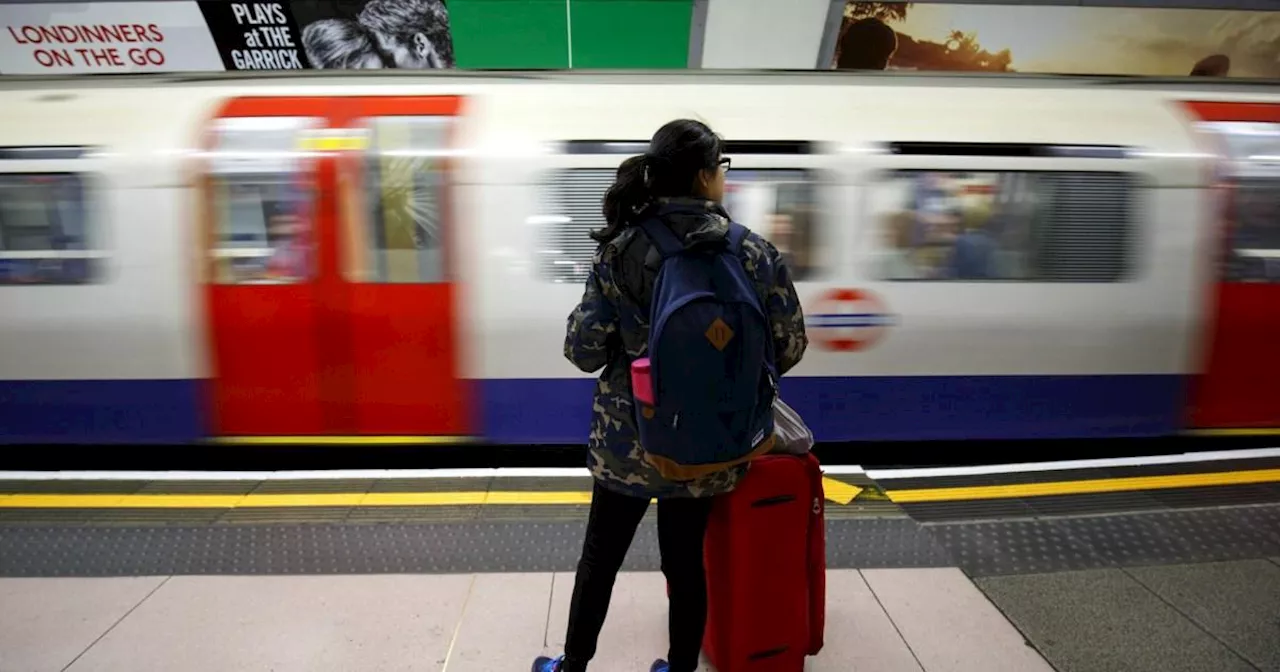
(423, 499)
(836, 491)
(839, 491)
(101, 501)
(340, 440)
(1083, 487)
(521, 497)
(1237, 431)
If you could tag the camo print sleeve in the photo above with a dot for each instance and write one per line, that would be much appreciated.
(594, 322)
(782, 303)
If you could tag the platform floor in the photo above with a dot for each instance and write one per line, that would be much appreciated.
(884, 620)
(1213, 616)
(1164, 567)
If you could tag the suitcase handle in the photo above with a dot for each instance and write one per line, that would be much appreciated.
(769, 653)
(773, 501)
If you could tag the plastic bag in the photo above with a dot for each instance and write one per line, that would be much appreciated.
(790, 435)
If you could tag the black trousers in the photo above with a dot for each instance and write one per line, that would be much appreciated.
(682, 523)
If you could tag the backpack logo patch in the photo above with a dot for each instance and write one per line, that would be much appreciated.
(719, 334)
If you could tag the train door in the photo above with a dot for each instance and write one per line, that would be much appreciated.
(1240, 384)
(396, 258)
(266, 209)
(330, 302)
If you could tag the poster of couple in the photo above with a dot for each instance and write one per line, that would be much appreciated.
(330, 34)
(1058, 39)
(373, 34)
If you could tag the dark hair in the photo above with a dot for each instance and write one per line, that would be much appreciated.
(867, 44)
(401, 19)
(676, 153)
(1217, 65)
(338, 43)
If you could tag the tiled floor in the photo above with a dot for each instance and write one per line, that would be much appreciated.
(885, 620)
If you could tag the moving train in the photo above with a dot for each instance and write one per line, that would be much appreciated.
(391, 257)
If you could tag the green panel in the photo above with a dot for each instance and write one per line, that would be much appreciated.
(514, 34)
(631, 33)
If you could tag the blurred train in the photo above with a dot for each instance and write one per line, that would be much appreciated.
(389, 258)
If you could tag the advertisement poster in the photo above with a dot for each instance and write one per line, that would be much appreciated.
(104, 37)
(254, 35)
(212, 35)
(370, 34)
(1154, 42)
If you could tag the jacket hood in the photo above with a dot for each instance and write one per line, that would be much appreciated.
(694, 221)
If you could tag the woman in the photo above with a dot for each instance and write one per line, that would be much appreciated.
(339, 44)
(679, 181)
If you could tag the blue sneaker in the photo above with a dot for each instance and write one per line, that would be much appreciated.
(545, 664)
(660, 665)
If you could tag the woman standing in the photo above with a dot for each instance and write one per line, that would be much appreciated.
(680, 182)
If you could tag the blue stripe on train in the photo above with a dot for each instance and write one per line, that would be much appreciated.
(888, 408)
(523, 411)
(100, 411)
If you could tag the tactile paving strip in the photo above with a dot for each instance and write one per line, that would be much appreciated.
(444, 544)
(1014, 547)
(1090, 542)
(478, 546)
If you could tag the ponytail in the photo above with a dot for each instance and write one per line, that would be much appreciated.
(628, 194)
(677, 152)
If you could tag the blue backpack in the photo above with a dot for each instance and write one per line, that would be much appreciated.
(711, 360)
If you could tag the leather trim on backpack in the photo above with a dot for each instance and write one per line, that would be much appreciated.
(674, 471)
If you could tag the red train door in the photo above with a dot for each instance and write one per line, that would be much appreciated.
(1240, 383)
(397, 260)
(331, 309)
(264, 200)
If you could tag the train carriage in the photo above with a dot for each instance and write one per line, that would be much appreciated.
(391, 258)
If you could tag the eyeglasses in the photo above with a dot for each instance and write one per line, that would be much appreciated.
(724, 161)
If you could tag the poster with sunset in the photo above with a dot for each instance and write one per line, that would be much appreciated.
(1154, 42)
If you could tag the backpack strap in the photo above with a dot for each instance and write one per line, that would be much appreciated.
(662, 237)
(737, 234)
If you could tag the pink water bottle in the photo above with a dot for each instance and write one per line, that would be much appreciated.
(641, 381)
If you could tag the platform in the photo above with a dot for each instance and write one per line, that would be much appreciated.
(1158, 564)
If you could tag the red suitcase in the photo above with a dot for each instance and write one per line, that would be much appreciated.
(766, 568)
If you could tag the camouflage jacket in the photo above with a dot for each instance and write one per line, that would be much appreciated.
(610, 329)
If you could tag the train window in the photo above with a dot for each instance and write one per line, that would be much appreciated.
(777, 203)
(572, 207)
(1252, 206)
(401, 236)
(262, 196)
(44, 238)
(1012, 226)
(780, 205)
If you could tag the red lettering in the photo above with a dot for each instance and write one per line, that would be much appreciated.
(53, 57)
(100, 56)
(148, 56)
(86, 34)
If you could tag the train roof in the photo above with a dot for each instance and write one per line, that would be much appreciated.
(824, 78)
